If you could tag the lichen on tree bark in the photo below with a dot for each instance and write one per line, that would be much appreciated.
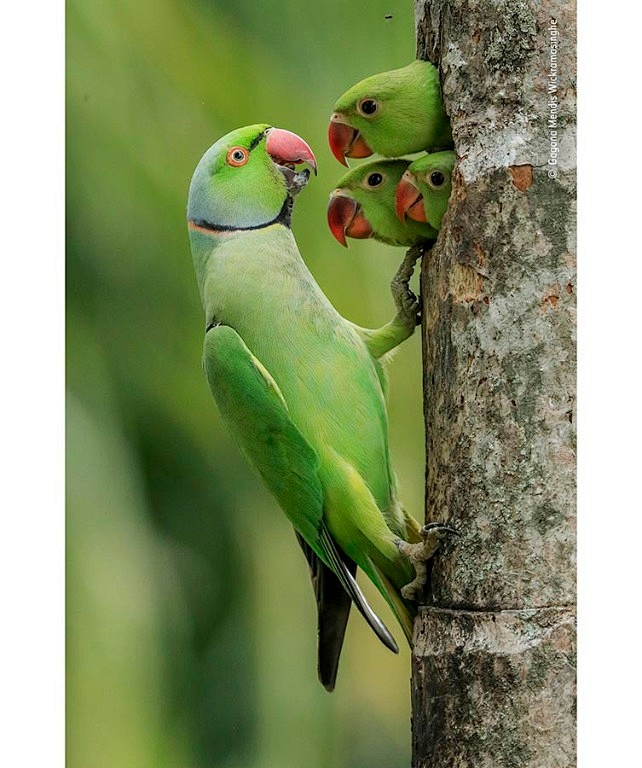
(493, 659)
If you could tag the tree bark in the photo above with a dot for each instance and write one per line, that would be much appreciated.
(493, 679)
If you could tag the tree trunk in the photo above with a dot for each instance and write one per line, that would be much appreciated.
(493, 680)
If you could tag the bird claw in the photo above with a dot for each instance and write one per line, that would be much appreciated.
(407, 303)
(419, 554)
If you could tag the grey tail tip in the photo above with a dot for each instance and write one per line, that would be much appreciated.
(349, 583)
(389, 641)
(379, 628)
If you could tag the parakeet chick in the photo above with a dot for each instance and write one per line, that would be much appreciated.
(363, 205)
(393, 113)
(301, 389)
(424, 189)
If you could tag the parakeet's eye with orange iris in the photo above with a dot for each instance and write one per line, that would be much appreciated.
(237, 156)
(367, 107)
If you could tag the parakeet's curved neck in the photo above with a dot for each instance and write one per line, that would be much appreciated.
(284, 217)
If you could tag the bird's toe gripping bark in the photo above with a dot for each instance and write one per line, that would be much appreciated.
(407, 303)
(420, 554)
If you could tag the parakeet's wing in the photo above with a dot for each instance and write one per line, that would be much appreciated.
(256, 413)
(333, 610)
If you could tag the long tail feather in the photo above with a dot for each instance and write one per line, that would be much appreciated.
(404, 612)
(352, 588)
(333, 610)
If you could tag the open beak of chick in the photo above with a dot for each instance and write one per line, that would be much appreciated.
(346, 219)
(345, 141)
(410, 201)
(288, 150)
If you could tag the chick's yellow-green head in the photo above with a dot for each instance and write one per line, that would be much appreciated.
(424, 189)
(248, 179)
(392, 113)
(363, 205)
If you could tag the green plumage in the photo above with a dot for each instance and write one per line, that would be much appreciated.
(377, 201)
(409, 115)
(299, 387)
(436, 192)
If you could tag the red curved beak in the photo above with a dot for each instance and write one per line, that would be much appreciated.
(410, 201)
(285, 147)
(345, 217)
(345, 141)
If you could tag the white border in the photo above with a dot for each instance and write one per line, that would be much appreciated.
(32, 380)
(610, 386)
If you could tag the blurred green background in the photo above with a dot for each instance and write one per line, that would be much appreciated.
(191, 619)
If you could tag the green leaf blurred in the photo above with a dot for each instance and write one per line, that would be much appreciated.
(191, 621)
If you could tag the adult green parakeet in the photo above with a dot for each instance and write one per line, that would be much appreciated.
(301, 389)
(392, 113)
(424, 189)
(364, 205)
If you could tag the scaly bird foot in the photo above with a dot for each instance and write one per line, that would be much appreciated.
(432, 534)
(408, 305)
